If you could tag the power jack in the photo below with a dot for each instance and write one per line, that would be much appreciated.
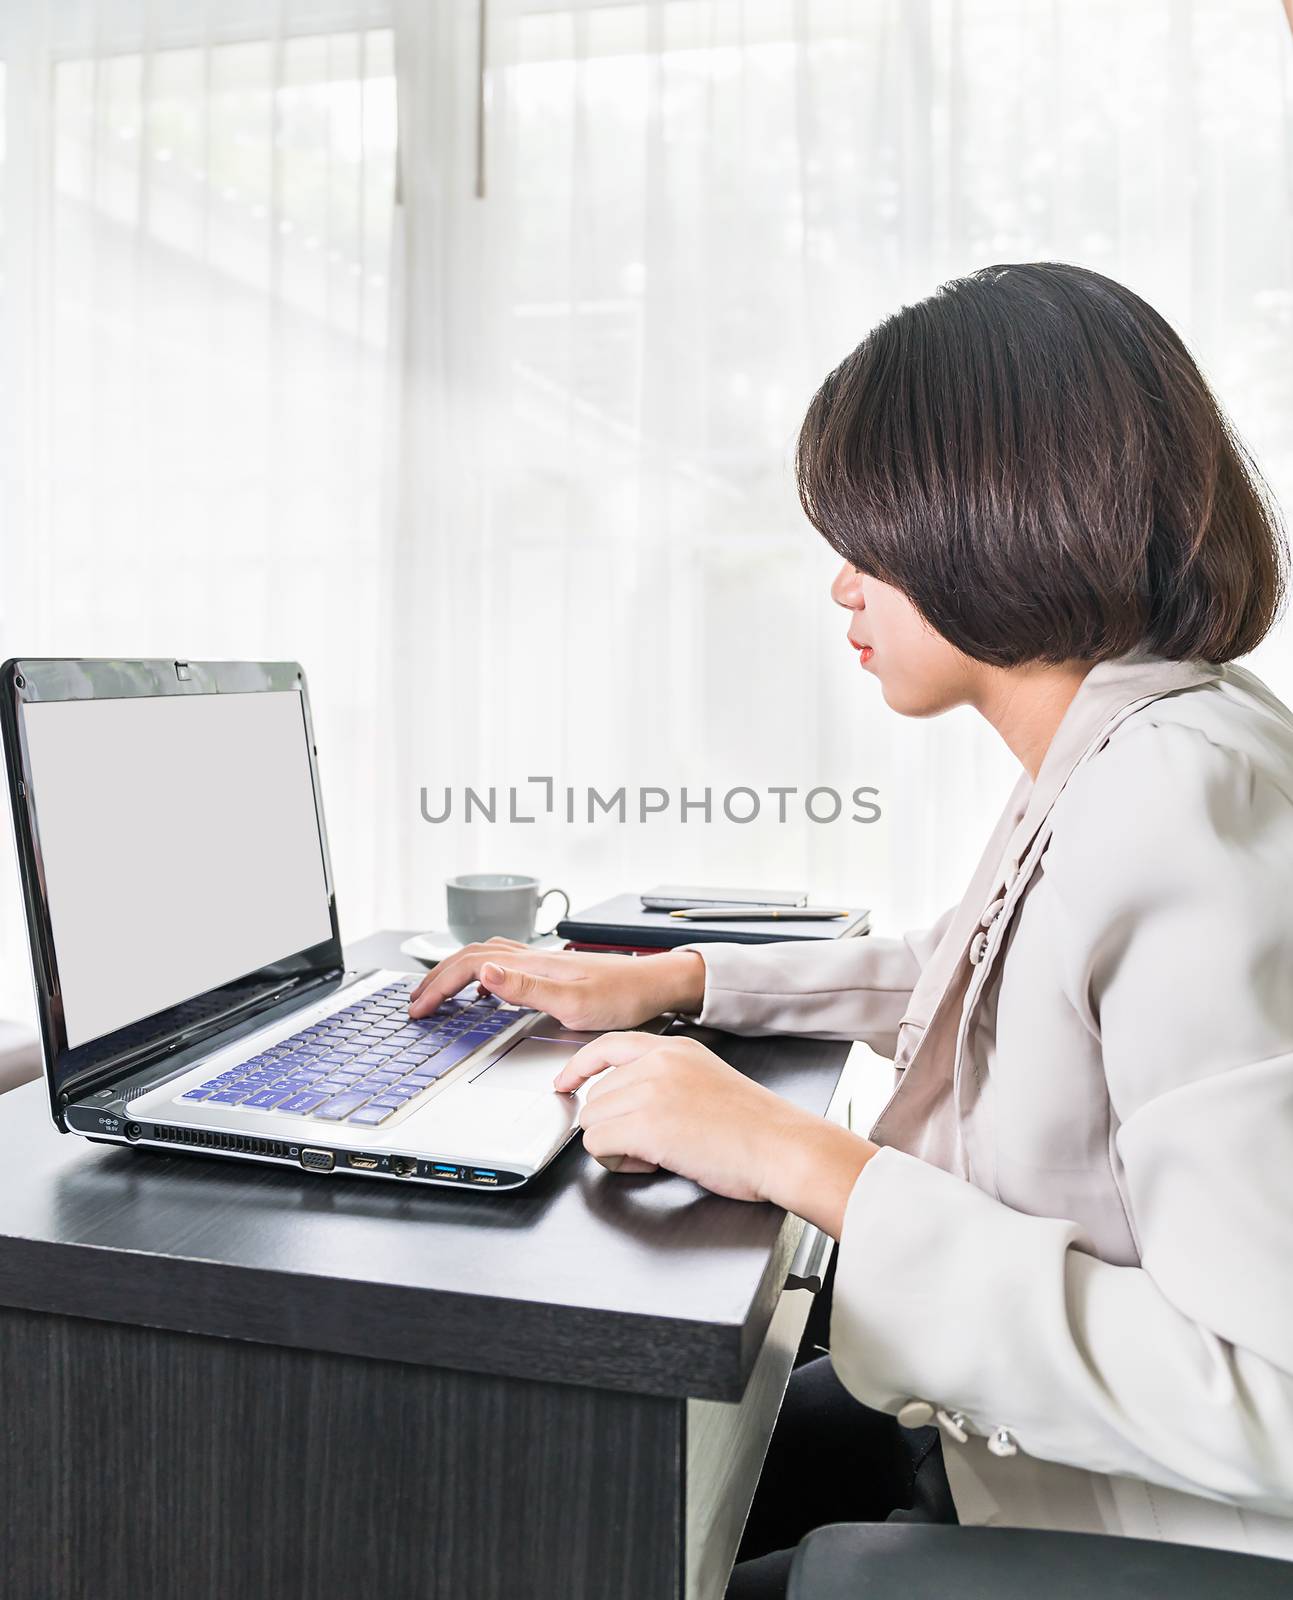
(133, 1130)
(403, 1166)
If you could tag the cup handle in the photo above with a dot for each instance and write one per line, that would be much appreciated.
(539, 907)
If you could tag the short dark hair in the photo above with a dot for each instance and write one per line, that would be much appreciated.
(1032, 456)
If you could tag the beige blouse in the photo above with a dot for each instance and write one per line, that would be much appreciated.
(1076, 1248)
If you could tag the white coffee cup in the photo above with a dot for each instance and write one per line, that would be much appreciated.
(488, 905)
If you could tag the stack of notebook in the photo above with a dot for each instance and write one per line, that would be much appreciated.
(623, 924)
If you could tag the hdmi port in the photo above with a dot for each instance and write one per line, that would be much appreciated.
(364, 1162)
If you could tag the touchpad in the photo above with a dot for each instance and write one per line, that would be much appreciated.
(531, 1064)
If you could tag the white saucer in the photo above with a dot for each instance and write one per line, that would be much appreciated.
(434, 946)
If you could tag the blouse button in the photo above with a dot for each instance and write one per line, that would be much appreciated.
(954, 1422)
(977, 945)
(1001, 1444)
(993, 911)
(915, 1414)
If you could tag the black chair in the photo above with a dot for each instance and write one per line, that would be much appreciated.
(912, 1561)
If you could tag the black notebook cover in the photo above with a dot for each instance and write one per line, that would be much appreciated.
(622, 921)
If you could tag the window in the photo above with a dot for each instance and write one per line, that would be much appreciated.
(202, 353)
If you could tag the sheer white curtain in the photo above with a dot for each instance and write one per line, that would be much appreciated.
(693, 208)
(570, 546)
(198, 206)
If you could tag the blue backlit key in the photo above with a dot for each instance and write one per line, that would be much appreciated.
(267, 1098)
(458, 1049)
(302, 1102)
(341, 1105)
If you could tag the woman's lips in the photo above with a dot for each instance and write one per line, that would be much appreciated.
(865, 654)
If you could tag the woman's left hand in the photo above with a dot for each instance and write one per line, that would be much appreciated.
(672, 1103)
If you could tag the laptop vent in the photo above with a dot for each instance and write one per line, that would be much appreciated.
(221, 1141)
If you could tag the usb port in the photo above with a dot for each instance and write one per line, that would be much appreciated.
(443, 1169)
(365, 1163)
(483, 1175)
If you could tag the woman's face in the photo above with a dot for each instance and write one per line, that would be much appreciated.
(920, 673)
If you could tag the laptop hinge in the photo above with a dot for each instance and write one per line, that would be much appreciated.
(158, 1051)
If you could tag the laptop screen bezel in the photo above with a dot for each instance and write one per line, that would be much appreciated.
(72, 1072)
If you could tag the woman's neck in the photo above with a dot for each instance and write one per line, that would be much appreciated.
(1027, 704)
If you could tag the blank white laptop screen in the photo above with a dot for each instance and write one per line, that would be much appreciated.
(180, 846)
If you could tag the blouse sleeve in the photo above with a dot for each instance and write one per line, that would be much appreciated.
(849, 989)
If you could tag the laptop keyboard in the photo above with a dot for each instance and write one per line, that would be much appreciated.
(360, 1065)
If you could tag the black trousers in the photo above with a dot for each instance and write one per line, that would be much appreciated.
(832, 1459)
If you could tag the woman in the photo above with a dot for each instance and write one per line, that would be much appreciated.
(1065, 1274)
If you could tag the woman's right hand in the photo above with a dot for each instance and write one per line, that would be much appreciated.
(584, 990)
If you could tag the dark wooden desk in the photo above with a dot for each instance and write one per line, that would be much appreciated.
(223, 1382)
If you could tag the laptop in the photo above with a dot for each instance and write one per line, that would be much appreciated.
(188, 966)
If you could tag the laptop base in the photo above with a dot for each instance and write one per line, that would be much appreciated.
(106, 1126)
